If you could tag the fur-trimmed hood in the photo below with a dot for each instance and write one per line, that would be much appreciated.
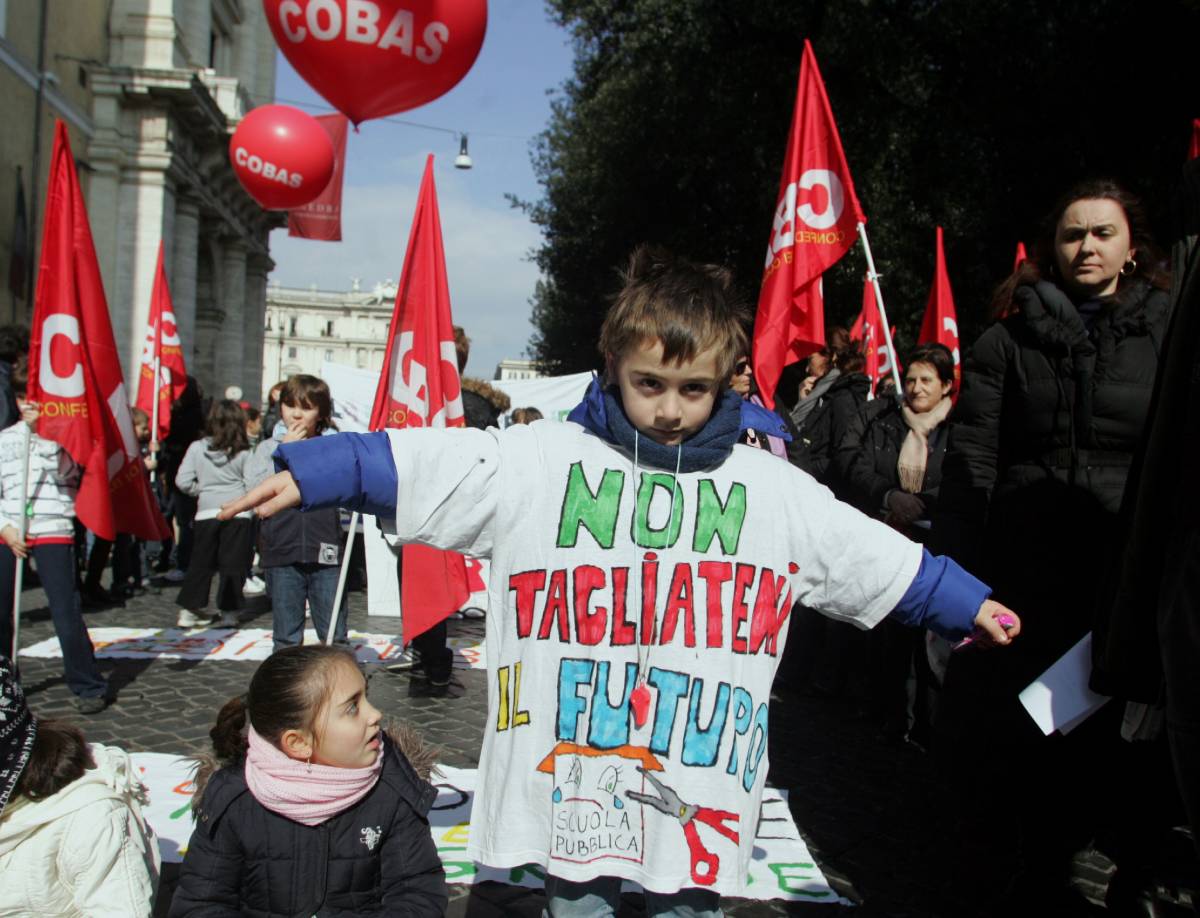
(499, 400)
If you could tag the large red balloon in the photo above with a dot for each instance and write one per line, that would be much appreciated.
(371, 58)
(282, 157)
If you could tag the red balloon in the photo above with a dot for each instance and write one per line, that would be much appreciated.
(282, 157)
(371, 58)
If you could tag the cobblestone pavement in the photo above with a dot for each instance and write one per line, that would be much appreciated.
(874, 816)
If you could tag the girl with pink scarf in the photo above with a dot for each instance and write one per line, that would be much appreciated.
(318, 810)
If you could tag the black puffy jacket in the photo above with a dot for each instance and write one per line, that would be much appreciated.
(1041, 441)
(377, 858)
(869, 454)
(824, 428)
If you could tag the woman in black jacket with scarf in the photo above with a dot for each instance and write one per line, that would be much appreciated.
(891, 460)
(1054, 403)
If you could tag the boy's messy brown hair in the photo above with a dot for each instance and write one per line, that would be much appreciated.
(310, 392)
(689, 307)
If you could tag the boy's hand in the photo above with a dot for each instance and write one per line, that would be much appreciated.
(151, 463)
(988, 621)
(12, 538)
(278, 492)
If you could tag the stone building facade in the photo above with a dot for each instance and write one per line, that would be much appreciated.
(306, 328)
(163, 85)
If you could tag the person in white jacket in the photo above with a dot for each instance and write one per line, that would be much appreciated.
(73, 841)
(49, 536)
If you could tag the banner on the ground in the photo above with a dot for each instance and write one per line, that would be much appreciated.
(782, 866)
(240, 644)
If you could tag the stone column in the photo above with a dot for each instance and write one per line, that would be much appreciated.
(181, 272)
(209, 315)
(257, 268)
(232, 300)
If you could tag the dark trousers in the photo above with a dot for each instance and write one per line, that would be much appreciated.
(219, 547)
(185, 516)
(436, 659)
(56, 569)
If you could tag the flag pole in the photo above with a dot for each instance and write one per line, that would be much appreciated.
(336, 612)
(19, 580)
(887, 329)
(154, 413)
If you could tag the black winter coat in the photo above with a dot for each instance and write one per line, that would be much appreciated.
(1041, 443)
(869, 454)
(824, 429)
(377, 858)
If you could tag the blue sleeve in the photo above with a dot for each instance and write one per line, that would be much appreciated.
(942, 597)
(350, 470)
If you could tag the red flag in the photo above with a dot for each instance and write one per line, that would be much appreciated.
(419, 387)
(162, 342)
(1194, 148)
(940, 325)
(1021, 256)
(814, 225)
(74, 372)
(868, 328)
(321, 218)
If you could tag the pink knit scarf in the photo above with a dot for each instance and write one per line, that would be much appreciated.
(303, 793)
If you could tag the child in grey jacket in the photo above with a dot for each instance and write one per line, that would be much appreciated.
(214, 471)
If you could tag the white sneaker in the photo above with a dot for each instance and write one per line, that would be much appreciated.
(255, 586)
(189, 619)
(473, 612)
(174, 575)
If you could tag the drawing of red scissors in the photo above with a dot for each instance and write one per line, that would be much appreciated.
(704, 862)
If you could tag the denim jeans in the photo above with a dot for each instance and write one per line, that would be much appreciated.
(601, 898)
(289, 586)
(56, 570)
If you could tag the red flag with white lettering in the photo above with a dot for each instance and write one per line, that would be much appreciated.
(868, 328)
(940, 325)
(419, 387)
(162, 344)
(321, 218)
(74, 372)
(814, 225)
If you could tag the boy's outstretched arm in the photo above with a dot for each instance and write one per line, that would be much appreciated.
(946, 599)
(278, 492)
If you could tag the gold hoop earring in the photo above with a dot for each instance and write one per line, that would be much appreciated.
(1129, 267)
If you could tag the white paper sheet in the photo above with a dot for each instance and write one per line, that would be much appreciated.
(1059, 699)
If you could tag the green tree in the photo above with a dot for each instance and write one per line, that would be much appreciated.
(972, 115)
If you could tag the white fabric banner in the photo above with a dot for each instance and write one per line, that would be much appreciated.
(553, 396)
(239, 644)
(782, 867)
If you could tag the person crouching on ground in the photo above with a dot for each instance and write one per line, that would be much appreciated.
(640, 556)
(73, 841)
(316, 809)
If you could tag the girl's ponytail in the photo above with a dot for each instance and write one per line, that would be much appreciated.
(229, 732)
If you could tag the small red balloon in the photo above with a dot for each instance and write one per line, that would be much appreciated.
(282, 157)
(371, 58)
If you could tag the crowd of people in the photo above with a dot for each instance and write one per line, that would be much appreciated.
(1015, 466)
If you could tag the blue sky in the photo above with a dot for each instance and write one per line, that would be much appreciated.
(501, 104)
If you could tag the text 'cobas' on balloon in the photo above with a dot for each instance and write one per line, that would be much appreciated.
(362, 23)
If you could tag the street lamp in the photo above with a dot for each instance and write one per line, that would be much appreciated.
(463, 160)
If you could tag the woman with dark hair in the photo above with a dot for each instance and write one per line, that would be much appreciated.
(891, 461)
(73, 841)
(214, 472)
(1053, 406)
(827, 405)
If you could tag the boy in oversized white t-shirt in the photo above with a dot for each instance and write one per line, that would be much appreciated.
(643, 569)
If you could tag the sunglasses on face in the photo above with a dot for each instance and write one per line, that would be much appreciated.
(742, 366)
